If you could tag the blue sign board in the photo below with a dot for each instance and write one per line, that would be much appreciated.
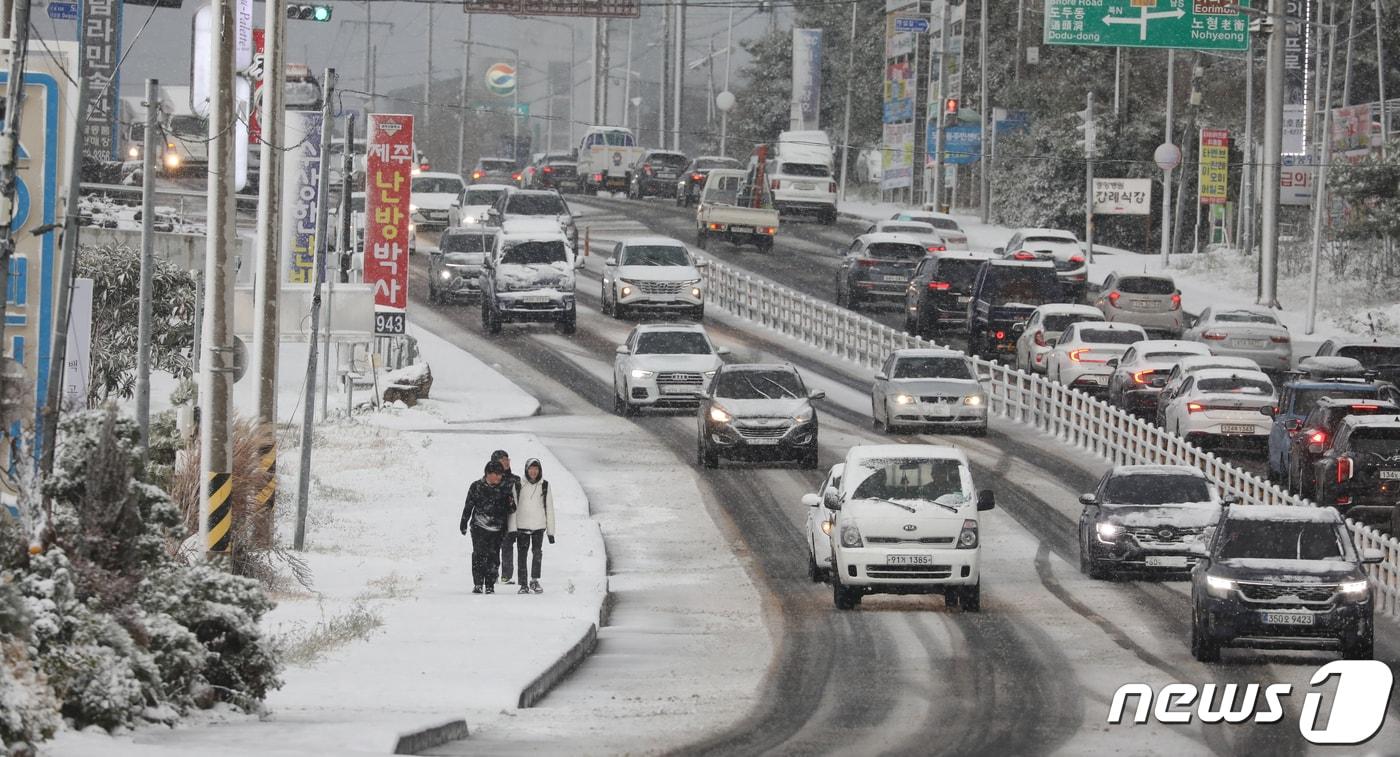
(63, 11)
(899, 110)
(911, 24)
(962, 145)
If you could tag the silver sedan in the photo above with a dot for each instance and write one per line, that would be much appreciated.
(928, 388)
(1244, 332)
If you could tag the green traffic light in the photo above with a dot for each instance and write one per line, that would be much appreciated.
(321, 13)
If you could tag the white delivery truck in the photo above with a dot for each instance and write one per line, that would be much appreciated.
(801, 175)
(605, 159)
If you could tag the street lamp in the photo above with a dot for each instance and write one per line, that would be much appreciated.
(573, 61)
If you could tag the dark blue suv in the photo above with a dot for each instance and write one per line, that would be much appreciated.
(1339, 378)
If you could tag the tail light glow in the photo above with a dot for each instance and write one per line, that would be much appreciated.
(939, 286)
(831, 187)
(1344, 469)
(646, 169)
(1039, 339)
(1317, 437)
(1214, 336)
(1142, 377)
(1176, 302)
(1195, 407)
(1113, 297)
(936, 248)
(548, 169)
(1000, 335)
(1076, 258)
(775, 185)
(1023, 255)
(697, 177)
(477, 175)
(1368, 408)
(866, 263)
(1078, 356)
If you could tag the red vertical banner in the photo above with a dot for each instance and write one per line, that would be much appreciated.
(255, 112)
(388, 181)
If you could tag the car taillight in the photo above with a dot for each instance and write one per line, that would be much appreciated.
(1317, 437)
(547, 169)
(1023, 255)
(1078, 356)
(1113, 297)
(1176, 302)
(425, 167)
(1214, 336)
(1194, 407)
(831, 187)
(775, 185)
(476, 175)
(598, 177)
(1142, 377)
(771, 230)
(865, 263)
(515, 176)
(697, 177)
(936, 248)
(939, 286)
(1076, 258)
(1368, 408)
(1001, 335)
(1344, 469)
(1040, 339)
(646, 168)
(1279, 339)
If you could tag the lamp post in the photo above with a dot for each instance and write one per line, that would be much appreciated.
(573, 61)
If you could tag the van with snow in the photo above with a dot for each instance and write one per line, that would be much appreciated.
(529, 278)
(801, 174)
(904, 520)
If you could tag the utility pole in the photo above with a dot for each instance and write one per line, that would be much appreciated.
(942, 65)
(604, 65)
(148, 243)
(1167, 174)
(1320, 188)
(1193, 104)
(369, 56)
(678, 93)
(9, 152)
(1090, 137)
(342, 240)
(1020, 51)
(53, 400)
(846, 118)
(983, 173)
(1351, 38)
(1246, 232)
(626, 79)
(428, 75)
(308, 403)
(1273, 150)
(664, 86)
(462, 105)
(216, 365)
(267, 280)
(1380, 82)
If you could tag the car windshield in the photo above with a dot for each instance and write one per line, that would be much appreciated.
(1244, 316)
(466, 242)
(892, 251)
(1379, 440)
(672, 343)
(1372, 356)
(497, 166)
(1108, 336)
(535, 253)
(723, 192)
(1155, 489)
(1254, 387)
(1024, 286)
(668, 159)
(934, 221)
(898, 229)
(1058, 323)
(463, 258)
(932, 368)
(436, 185)
(1304, 400)
(655, 255)
(909, 479)
(189, 125)
(960, 274)
(1048, 240)
(618, 139)
(535, 205)
(716, 163)
(483, 196)
(759, 385)
(804, 169)
(1146, 285)
(1281, 540)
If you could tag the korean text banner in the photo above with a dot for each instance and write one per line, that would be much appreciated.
(1214, 176)
(388, 183)
(807, 77)
(301, 172)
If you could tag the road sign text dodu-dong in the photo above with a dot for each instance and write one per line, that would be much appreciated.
(1185, 24)
(388, 183)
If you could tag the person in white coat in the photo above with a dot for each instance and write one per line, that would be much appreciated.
(532, 521)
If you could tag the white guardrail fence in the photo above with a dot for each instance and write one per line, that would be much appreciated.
(1071, 416)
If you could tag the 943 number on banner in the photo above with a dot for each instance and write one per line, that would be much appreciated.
(387, 324)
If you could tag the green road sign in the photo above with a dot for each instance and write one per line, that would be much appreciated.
(1184, 24)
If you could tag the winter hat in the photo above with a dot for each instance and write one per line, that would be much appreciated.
(495, 467)
(535, 463)
(498, 454)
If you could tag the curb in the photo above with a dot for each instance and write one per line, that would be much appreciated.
(414, 742)
(555, 674)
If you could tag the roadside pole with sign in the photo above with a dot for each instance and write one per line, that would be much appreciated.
(388, 177)
(1124, 197)
(1213, 175)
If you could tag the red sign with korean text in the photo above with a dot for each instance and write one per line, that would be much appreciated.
(388, 182)
(255, 112)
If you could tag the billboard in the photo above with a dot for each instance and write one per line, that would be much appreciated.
(1297, 69)
(1213, 177)
(806, 78)
(899, 93)
(388, 184)
(301, 173)
(1122, 197)
(99, 36)
(897, 157)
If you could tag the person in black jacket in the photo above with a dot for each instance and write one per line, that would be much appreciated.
(511, 480)
(490, 503)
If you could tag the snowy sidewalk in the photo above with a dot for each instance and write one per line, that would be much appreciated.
(389, 639)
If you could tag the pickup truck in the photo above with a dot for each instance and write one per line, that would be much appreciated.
(724, 212)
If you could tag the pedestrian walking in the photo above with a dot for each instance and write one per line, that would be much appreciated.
(490, 505)
(532, 521)
(511, 480)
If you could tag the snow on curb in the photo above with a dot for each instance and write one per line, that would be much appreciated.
(416, 742)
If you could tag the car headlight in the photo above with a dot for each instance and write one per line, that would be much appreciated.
(470, 219)
(412, 208)
(696, 293)
(638, 373)
(1355, 587)
(974, 400)
(709, 374)
(625, 292)
(134, 152)
(172, 160)
(719, 414)
(1109, 530)
(850, 536)
(903, 399)
(446, 275)
(826, 527)
(804, 417)
(1218, 585)
(967, 538)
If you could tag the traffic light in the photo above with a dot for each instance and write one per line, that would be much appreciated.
(299, 12)
(950, 108)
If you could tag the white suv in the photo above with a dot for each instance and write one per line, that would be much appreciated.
(803, 186)
(905, 521)
(664, 365)
(655, 274)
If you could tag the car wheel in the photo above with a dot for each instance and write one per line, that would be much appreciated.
(970, 597)
(1084, 559)
(1098, 571)
(708, 458)
(1363, 647)
(490, 323)
(619, 404)
(702, 239)
(814, 573)
(978, 430)
(843, 598)
(568, 326)
(765, 245)
(951, 596)
(1204, 647)
(828, 217)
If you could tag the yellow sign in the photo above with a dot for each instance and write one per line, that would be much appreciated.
(1214, 176)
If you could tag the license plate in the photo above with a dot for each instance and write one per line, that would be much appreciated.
(1250, 344)
(893, 278)
(1390, 475)
(1288, 618)
(940, 410)
(1143, 304)
(536, 300)
(964, 300)
(1230, 428)
(763, 442)
(908, 559)
(1166, 561)
(668, 389)
(805, 186)
(741, 229)
(1097, 380)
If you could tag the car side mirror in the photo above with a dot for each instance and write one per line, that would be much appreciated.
(578, 261)
(1316, 449)
(998, 250)
(622, 349)
(1293, 424)
(1088, 499)
(881, 377)
(831, 499)
(435, 255)
(1198, 549)
(701, 263)
(811, 500)
(986, 500)
(456, 205)
(1112, 362)
(722, 351)
(1230, 500)
(1372, 556)
(610, 262)
(816, 395)
(1018, 328)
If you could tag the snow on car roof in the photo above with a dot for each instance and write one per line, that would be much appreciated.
(929, 352)
(438, 175)
(1110, 326)
(1009, 263)
(1213, 373)
(864, 452)
(1149, 345)
(971, 255)
(920, 225)
(1158, 470)
(760, 367)
(647, 328)
(1283, 513)
(1389, 342)
(1060, 308)
(657, 241)
(1040, 232)
(493, 187)
(886, 237)
(1199, 362)
(1372, 420)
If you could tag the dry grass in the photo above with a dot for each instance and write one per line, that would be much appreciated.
(249, 439)
(306, 646)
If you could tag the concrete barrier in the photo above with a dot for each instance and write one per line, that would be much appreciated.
(416, 742)
(184, 250)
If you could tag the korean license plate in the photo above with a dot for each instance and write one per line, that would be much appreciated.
(1390, 475)
(939, 410)
(1096, 380)
(535, 300)
(741, 229)
(1143, 304)
(673, 389)
(763, 442)
(908, 559)
(805, 186)
(1287, 618)
(964, 300)
(1251, 344)
(893, 278)
(1231, 428)
(1166, 561)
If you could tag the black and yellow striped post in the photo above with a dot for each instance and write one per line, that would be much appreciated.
(265, 502)
(220, 512)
